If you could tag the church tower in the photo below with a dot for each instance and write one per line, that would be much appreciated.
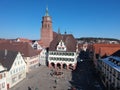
(46, 30)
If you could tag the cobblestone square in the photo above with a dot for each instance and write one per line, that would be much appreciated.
(41, 79)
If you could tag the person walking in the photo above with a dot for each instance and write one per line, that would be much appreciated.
(29, 88)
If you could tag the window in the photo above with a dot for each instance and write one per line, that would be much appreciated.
(15, 63)
(0, 87)
(16, 70)
(13, 79)
(45, 26)
(72, 60)
(3, 85)
(4, 75)
(18, 62)
(61, 46)
(66, 53)
(20, 76)
(59, 53)
(118, 76)
(0, 76)
(118, 63)
(21, 61)
(67, 59)
(48, 25)
(11, 72)
(60, 59)
(72, 54)
(97, 56)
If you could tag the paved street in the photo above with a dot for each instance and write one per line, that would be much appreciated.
(40, 79)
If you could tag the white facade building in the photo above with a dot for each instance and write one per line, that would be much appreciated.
(30, 55)
(36, 45)
(62, 52)
(3, 84)
(16, 67)
(43, 57)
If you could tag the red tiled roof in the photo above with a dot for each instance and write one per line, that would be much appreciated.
(117, 53)
(68, 39)
(23, 47)
(106, 49)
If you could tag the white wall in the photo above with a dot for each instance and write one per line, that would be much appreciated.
(17, 71)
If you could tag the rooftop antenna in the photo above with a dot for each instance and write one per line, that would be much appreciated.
(6, 52)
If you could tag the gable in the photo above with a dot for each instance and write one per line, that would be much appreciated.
(7, 58)
(1, 68)
(69, 42)
(61, 46)
(19, 61)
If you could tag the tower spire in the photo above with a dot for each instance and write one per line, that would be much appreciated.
(46, 13)
(58, 30)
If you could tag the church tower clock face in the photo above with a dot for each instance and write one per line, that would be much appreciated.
(48, 19)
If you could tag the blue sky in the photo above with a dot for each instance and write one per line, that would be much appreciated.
(82, 18)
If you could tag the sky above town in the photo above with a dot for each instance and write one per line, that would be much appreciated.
(82, 18)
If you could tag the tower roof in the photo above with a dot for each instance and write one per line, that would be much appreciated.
(46, 13)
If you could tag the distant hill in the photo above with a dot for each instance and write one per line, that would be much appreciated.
(98, 40)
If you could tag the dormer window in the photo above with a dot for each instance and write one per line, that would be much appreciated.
(61, 46)
(35, 46)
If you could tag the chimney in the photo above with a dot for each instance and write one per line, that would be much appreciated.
(6, 52)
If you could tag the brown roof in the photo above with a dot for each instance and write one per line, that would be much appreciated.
(5, 40)
(24, 40)
(23, 47)
(40, 42)
(54, 34)
(68, 39)
(7, 58)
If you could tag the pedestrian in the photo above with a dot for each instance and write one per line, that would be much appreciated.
(29, 88)
(55, 81)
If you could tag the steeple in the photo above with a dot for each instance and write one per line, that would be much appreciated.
(46, 30)
(46, 13)
(58, 30)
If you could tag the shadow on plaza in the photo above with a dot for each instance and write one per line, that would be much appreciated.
(84, 76)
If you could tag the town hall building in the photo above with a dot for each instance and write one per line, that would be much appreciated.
(63, 52)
